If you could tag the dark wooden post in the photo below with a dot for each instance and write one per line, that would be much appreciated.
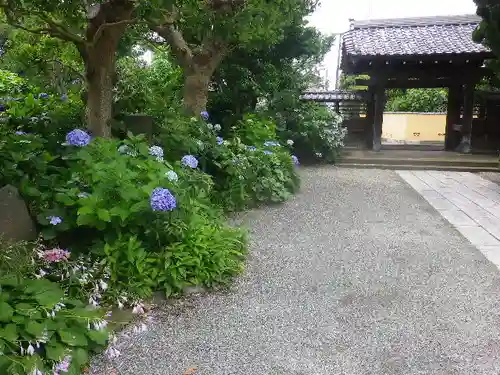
(337, 107)
(451, 138)
(378, 117)
(466, 129)
(370, 112)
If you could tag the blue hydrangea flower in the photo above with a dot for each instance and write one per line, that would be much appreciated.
(83, 195)
(251, 148)
(64, 97)
(204, 115)
(126, 149)
(219, 140)
(78, 138)
(172, 176)
(162, 200)
(20, 132)
(54, 220)
(43, 95)
(267, 152)
(157, 152)
(295, 160)
(271, 144)
(2, 108)
(189, 161)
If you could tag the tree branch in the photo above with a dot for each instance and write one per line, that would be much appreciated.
(180, 48)
(104, 26)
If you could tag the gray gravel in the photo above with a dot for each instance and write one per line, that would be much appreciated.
(356, 275)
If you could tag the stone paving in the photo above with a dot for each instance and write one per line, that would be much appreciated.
(469, 202)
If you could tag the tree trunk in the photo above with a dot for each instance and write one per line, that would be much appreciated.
(100, 70)
(103, 34)
(195, 94)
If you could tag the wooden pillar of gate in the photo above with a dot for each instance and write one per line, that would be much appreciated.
(452, 136)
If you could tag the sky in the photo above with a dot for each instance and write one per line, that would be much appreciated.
(332, 16)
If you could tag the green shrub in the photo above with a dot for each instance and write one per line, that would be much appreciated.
(105, 208)
(42, 330)
(314, 130)
(254, 130)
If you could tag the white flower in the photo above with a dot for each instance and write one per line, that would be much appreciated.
(36, 372)
(120, 304)
(30, 350)
(100, 325)
(289, 142)
(172, 176)
(210, 126)
(138, 309)
(217, 127)
(112, 353)
(319, 154)
(103, 284)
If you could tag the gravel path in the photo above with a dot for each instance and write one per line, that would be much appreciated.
(356, 275)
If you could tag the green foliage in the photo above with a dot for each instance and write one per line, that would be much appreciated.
(41, 329)
(417, 100)
(315, 130)
(150, 89)
(253, 130)
(488, 31)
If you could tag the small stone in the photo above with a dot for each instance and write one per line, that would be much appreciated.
(16, 223)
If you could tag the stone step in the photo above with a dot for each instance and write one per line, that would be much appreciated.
(444, 162)
(422, 167)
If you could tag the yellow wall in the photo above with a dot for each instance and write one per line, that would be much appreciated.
(405, 126)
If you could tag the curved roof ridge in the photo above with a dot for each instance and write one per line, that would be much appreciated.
(417, 21)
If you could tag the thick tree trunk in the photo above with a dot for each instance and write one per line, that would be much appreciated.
(104, 32)
(100, 70)
(195, 94)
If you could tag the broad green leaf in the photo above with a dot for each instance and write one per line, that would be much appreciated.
(9, 333)
(55, 351)
(6, 312)
(103, 215)
(80, 356)
(99, 337)
(72, 338)
(35, 328)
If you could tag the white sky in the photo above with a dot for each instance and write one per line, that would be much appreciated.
(333, 16)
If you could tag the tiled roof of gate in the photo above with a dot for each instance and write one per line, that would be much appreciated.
(335, 95)
(413, 36)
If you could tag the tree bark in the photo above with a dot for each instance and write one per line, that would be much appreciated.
(195, 94)
(99, 55)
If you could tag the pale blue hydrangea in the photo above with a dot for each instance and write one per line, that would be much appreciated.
(219, 140)
(78, 138)
(20, 132)
(251, 148)
(43, 95)
(295, 160)
(126, 149)
(54, 220)
(271, 144)
(157, 152)
(204, 115)
(217, 127)
(172, 176)
(162, 200)
(189, 161)
(267, 152)
(83, 195)
(64, 97)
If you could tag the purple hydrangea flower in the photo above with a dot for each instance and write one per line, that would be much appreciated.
(219, 140)
(162, 200)
(78, 138)
(204, 115)
(295, 160)
(156, 151)
(267, 152)
(20, 132)
(189, 161)
(43, 95)
(54, 220)
(251, 148)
